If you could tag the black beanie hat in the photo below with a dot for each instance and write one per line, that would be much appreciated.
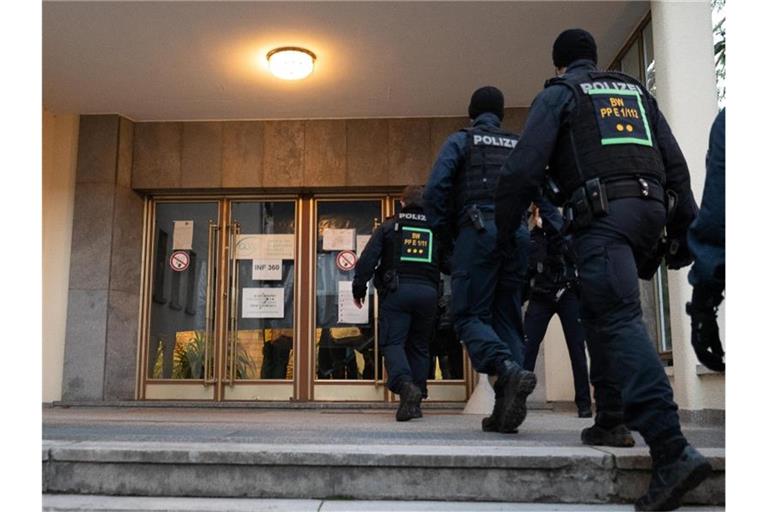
(571, 45)
(486, 99)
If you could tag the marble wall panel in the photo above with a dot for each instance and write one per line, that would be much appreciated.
(243, 154)
(283, 154)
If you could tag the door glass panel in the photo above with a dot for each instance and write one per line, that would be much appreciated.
(261, 329)
(180, 332)
(345, 345)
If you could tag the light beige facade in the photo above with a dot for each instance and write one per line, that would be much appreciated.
(60, 133)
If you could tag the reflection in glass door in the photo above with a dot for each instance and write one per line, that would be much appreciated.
(260, 339)
(347, 362)
(182, 306)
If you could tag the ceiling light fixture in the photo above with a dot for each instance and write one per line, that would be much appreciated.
(291, 63)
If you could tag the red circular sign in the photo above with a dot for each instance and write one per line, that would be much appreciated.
(179, 261)
(346, 260)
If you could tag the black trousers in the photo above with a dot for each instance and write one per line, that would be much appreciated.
(626, 369)
(407, 321)
(540, 311)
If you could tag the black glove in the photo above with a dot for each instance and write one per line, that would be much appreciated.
(705, 334)
(678, 255)
(359, 290)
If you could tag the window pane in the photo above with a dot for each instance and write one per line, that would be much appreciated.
(650, 63)
(630, 63)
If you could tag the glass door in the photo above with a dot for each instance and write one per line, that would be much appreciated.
(181, 306)
(260, 337)
(346, 360)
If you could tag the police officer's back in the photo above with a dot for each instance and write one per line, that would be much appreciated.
(405, 257)
(486, 286)
(616, 163)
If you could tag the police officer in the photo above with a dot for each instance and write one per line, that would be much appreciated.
(486, 287)
(554, 290)
(612, 154)
(404, 255)
(706, 238)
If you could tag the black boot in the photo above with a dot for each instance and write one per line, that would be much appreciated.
(673, 477)
(618, 436)
(512, 389)
(410, 398)
(491, 423)
(585, 411)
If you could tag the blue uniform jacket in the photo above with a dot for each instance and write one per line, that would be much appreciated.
(439, 193)
(523, 173)
(706, 238)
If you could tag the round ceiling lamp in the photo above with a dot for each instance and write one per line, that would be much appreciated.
(291, 63)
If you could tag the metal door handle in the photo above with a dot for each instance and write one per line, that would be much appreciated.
(234, 300)
(207, 366)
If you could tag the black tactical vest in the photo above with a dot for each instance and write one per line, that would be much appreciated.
(487, 150)
(608, 133)
(412, 250)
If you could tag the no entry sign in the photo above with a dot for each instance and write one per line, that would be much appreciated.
(179, 261)
(346, 260)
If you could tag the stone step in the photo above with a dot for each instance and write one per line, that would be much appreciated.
(551, 474)
(89, 503)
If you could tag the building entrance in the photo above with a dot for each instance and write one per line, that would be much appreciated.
(249, 299)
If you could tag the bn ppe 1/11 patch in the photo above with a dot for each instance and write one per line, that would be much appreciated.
(621, 117)
(417, 245)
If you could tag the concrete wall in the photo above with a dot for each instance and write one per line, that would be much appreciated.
(59, 164)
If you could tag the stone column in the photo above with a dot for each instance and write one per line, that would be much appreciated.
(686, 93)
(103, 303)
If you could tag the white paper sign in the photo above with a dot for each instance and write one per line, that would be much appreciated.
(264, 247)
(263, 303)
(362, 241)
(338, 239)
(267, 270)
(348, 312)
(182, 235)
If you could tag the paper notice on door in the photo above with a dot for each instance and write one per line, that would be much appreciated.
(339, 239)
(263, 303)
(362, 241)
(267, 270)
(182, 235)
(348, 311)
(264, 247)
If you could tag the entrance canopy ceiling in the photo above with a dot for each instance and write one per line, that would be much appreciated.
(207, 60)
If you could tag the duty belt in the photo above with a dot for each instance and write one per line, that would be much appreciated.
(591, 200)
(634, 187)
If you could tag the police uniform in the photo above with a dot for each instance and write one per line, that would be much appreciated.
(612, 154)
(486, 286)
(706, 239)
(554, 290)
(403, 254)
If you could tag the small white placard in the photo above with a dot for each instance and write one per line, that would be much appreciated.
(339, 239)
(265, 247)
(362, 241)
(267, 270)
(348, 312)
(182, 235)
(263, 303)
